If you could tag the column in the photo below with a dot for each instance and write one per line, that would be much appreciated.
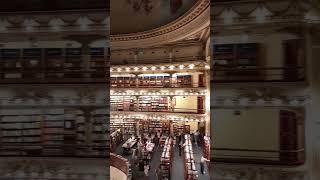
(88, 125)
(312, 111)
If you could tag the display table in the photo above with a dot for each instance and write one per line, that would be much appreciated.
(116, 138)
(128, 145)
(149, 147)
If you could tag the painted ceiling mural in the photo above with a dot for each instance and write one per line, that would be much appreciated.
(130, 16)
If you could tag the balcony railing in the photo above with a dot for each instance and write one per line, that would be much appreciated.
(156, 60)
(165, 110)
(257, 74)
(156, 85)
(255, 156)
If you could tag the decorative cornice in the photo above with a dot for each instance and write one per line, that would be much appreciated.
(54, 23)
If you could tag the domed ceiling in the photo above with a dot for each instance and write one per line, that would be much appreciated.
(131, 16)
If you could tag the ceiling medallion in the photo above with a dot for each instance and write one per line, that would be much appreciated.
(141, 5)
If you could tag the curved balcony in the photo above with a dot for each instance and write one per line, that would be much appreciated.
(119, 167)
(258, 74)
(161, 60)
(164, 110)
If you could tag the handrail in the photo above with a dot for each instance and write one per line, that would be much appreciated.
(259, 150)
(157, 85)
(168, 110)
(160, 60)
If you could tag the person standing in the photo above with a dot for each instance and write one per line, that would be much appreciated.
(196, 137)
(202, 163)
(159, 173)
(180, 148)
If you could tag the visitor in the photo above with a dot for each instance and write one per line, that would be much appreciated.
(134, 155)
(180, 148)
(159, 134)
(146, 171)
(141, 165)
(179, 137)
(156, 141)
(196, 136)
(159, 173)
(135, 172)
(202, 163)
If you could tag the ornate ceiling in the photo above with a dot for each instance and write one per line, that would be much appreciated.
(186, 26)
(131, 16)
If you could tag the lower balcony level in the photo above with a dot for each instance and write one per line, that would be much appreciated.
(257, 74)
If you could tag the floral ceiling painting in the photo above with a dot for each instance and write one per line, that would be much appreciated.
(132, 16)
(146, 6)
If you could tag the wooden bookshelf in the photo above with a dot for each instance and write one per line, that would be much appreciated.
(153, 81)
(153, 103)
(52, 132)
(122, 103)
(206, 147)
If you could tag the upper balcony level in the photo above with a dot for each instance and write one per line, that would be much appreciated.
(259, 61)
(53, 65)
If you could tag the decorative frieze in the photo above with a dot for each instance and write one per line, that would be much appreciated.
(256, 12)
(67, 21)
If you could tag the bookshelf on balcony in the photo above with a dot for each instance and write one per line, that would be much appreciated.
(56, 132)
(40, 65)
(155, 81)
(11, 63)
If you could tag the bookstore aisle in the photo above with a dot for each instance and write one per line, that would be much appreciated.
(163, 158)
(157, 117)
